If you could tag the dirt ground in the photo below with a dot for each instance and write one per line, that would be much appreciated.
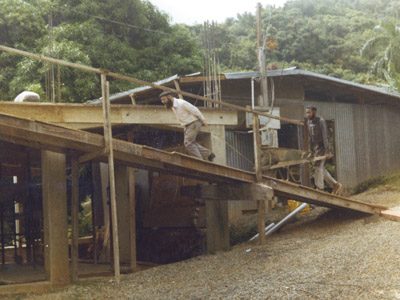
(325, 255)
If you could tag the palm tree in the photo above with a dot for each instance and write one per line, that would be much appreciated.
(384, 48)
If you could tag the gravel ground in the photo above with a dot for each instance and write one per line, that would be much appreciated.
(325, 255)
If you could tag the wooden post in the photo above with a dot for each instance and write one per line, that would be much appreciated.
(262, 68)
(74, 217)
(306, 147)
(258, 171)
(178, 88)
(108, 141)
(132, 211)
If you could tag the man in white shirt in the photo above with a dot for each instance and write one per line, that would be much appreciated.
(190, 117)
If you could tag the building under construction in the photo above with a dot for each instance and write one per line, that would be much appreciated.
(124, 153)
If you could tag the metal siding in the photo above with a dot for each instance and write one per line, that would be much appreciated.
(243, 143)
(362, 148)
(342, 114)
(367, 139)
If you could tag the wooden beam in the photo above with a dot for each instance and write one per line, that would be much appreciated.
(109, 144)
(197, 79)
(229, 192)
(74, 217)
(88, 115)
(132, 212)
(178, 88)
(258, 170)
(284, 164)
(90, 156)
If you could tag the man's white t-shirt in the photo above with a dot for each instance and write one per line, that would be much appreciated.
(185, 112)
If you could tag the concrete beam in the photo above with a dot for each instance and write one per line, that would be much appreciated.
(82, 116)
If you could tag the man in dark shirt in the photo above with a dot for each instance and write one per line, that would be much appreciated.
(319, 146)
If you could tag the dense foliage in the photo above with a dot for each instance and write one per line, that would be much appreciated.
(324, 36)
(351, 39)
(139, 42)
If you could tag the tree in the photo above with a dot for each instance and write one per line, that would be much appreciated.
(384, 47)
(130, 37)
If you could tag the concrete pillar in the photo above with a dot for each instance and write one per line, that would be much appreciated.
(54, 193)
(217, 211)
(123, 212)
(105, 255)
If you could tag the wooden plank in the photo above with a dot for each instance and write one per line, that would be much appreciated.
(392, 213)
(258, 170)
(229, 192)
(109, 145)
(74, 217)
(89, 115)
(308, 195)
(132, 212)
(178, 88)
(306, 147)
(284, 164)
(199, 79)
(90, 156)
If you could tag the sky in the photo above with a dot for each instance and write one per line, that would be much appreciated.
(191, 12)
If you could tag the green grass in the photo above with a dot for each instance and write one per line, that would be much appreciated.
(379, 183)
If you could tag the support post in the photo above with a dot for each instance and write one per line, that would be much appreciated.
(306, 147)
(132, 211)
(108, 141)
(178, 88)
(217, 212)
(74, 217)
(258, 171)
(54, 192)
(262, 68)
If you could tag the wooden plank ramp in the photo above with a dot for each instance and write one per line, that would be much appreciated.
(51, 137)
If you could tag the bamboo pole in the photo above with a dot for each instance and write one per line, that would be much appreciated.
(74, 217)
(258, 170)
(108, 141)
(141, 82)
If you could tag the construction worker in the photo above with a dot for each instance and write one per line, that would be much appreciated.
(319, 146)
(190, 117)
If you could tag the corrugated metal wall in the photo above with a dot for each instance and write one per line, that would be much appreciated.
(367, 139)
(367, 144)
(239, 154)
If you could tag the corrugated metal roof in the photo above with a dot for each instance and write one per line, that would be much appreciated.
(121, 95)
(271, 73)
(299, 72)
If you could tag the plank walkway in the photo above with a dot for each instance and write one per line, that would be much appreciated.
(56, 138)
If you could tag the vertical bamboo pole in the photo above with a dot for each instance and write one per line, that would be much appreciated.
(108, 143)
(257, 164)
(74, 217)
(132, 212)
